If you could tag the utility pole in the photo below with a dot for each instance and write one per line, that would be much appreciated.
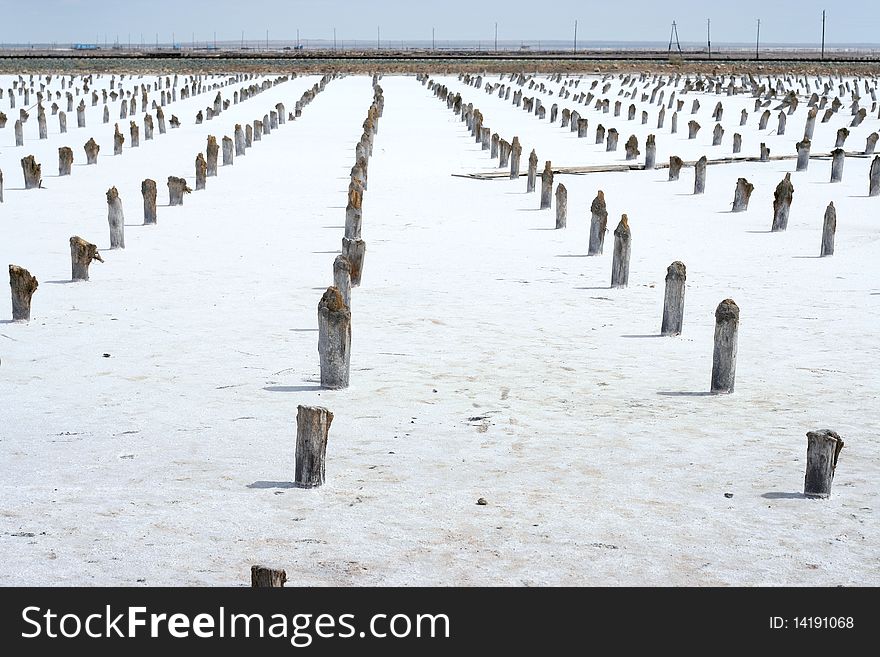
(823, 34)
(215, 39)
(673, 36)
(496, 36)
(378, 38)
(267, 38)
(432, 38)
(242, 39)
(709, 36)
(758, 40)
(297, 38)
(334, 38)
(575, 36)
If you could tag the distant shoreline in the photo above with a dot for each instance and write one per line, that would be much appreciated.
(426, 60)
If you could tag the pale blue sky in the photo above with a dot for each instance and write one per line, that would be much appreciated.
(787, 21)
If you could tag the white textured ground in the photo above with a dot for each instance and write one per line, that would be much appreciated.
(490, 359)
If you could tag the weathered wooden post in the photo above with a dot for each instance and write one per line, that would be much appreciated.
(600, 134)
(742, 194)
(515, 156)
(823, 448)
(135, 134)
(503, 153)
(118, 140)
(780, 129)
(33, 172)
(533, 172)
(631, 147)
(700, 176)
(227, 151)
(148, 190)
(582, 127)
(213, 150)
(334, 339)
(620, 259)
(650, 152)
(201, 171)
(743, 117)
(737, 142)
(262, 577)
(353, 213)
(65, 160)
(23, 287)
(82, 254)
(106, 118)
(41, 122)
(177, 187)
(148, 127)
(724, 352)
(803, 154)
(160, 119)
(312, 427)
(546, 185)
(693, 129)
(19, 133)
(612, 138)
(829, 227)
(598, 224)
(561, 206)
(717, 135)
(62, 123)
(239, 137)
(91, 148)
(354, 250)
(765, 118)
(765, 153)
(858, 117)
(811, 123)
(673, 299)
(81, 115)
(673, 124)
(116, 219)
(837, 158)
(871, 143)
(257, 134)
(874, 177)
(842, 134)
(675, 164)
(782, 203)
(342, 278)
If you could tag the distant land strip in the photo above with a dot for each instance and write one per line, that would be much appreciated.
(407, 61)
